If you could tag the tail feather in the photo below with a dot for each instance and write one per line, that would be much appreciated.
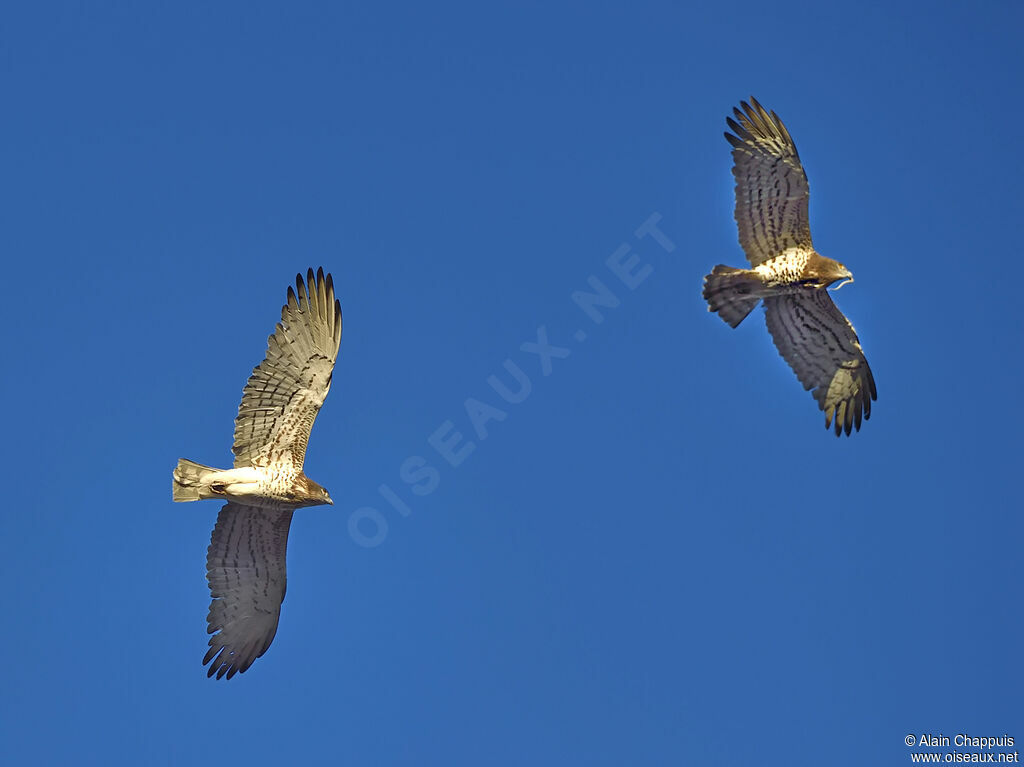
(731, 293)
(188, 480)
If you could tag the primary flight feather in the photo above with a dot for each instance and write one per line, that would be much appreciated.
(246, 559)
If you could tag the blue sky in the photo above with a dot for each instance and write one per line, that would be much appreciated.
(659, 556)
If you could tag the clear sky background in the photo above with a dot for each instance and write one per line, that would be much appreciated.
(660, 556)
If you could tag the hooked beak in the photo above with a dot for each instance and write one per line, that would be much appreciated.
(330, 501)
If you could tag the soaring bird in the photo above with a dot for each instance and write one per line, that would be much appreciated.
(788, 275)
(245, 564)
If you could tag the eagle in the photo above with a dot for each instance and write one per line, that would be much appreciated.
(789, 276)
(245, 563)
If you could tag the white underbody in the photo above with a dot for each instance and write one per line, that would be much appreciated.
(247, 485)
(784, 270)
(237, 484)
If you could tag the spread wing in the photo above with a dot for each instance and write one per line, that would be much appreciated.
(246, 572)
(771, 186)
(285, 391)
(819, 343)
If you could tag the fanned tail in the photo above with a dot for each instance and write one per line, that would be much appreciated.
(731, 293)
(188, 481)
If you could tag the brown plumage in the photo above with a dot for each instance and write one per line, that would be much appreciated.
(788, 275)
(246, 559)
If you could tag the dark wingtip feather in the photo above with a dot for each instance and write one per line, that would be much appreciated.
(758, 110)
(742, 136)
(759, 120)
(756, 121)
(321, 293)
(756, 117)
(306, 291)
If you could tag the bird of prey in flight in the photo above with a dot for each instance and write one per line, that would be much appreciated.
(245, 564)
(788, 275)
